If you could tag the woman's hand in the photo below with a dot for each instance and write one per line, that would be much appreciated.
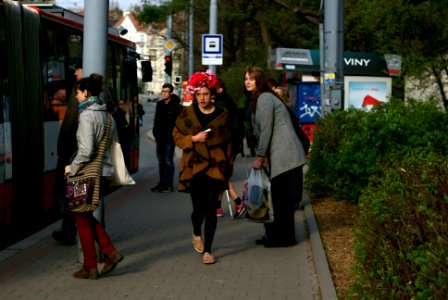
(67, 170)
(201, 137)
(260, 161)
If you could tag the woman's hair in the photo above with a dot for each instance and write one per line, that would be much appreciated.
(261, 83)
(92, 84)
(273, 83)
(283, 93)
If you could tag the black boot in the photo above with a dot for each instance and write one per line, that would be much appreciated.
(63, 238)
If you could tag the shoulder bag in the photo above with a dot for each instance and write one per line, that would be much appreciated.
(121, 174)
(83, 189)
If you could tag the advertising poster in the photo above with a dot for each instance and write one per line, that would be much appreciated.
(308, 108)
(366, 92)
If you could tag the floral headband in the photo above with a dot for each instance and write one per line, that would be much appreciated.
(199, 80)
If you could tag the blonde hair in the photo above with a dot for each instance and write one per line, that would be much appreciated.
(283, 93)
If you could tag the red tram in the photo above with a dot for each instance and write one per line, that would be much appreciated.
(38, 50)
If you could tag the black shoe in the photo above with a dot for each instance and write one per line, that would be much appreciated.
(239, 210)
(156, 189)
(60, 237)
(276, 244)
(261, 241)
(165, 189)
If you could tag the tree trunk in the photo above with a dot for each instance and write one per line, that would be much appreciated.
(438, 76)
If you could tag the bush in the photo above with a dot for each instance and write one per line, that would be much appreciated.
(349, 146)
(402, 234)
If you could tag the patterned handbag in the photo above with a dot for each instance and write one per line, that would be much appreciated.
(83, 189)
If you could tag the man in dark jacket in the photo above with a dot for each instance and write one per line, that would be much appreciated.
(167, 111)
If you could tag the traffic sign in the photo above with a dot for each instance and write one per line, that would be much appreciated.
(169, 45)
(212, 49)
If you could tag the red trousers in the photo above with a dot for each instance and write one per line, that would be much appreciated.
(89, 231)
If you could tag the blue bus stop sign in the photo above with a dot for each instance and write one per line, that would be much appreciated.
(212, 49)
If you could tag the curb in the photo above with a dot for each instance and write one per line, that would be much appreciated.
(327, 289)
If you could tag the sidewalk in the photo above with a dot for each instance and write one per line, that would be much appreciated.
(153, 232)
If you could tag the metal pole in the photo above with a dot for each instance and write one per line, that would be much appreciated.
(324, 94)
(330, 35)
(94, 60)
(333, 37)
(213, 24)
(94, 55)
(340, 54)
(169, 29)
(191, 41)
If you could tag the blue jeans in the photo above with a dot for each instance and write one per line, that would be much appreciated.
(165, 153)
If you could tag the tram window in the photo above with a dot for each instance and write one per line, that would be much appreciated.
(5, 125)
(54, 44)
(74, 42)
(119, 63)
(110, 74)
(54, 69)
(74, 48)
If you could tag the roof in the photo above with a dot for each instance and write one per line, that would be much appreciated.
(136, 23)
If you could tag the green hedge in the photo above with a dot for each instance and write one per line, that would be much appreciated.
(402, 233)
(393, 162)
(348, 146)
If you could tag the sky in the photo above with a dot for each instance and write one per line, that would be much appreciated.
(122, 4)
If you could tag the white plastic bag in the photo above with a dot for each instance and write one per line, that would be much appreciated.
(257, 198)
(121, 174)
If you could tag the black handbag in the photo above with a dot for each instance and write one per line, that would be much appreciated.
(83, 189)
(299, 132)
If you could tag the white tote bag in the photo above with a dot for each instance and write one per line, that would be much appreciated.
(121, 174)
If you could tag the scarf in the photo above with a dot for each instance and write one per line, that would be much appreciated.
(84, 105)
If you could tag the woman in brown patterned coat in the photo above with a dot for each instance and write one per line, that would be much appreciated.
(202, 132)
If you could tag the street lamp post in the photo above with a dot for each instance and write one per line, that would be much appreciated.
(213, 24)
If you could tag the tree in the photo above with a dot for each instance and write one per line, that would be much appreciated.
(412, 28)
(247, 23)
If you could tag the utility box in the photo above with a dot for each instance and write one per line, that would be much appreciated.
(336, 96)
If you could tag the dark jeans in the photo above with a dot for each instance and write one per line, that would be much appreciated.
(165, 153)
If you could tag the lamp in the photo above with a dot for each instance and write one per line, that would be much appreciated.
(122, 30)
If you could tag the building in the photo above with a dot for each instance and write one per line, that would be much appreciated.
(149, 41)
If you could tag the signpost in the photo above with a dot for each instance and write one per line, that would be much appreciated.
(212, 49)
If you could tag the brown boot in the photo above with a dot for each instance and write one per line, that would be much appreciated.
(86, 273)
(110, 261)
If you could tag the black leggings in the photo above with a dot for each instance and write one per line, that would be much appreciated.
(204, 196)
